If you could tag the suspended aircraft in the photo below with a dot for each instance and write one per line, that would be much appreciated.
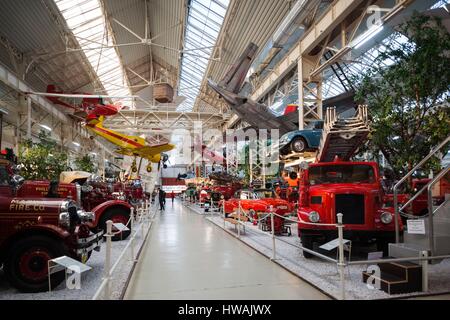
(258, 115)
(94, 111)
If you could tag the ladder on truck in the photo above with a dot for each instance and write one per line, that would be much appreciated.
(342, 137)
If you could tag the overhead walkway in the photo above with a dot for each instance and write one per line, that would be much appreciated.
(187, 257)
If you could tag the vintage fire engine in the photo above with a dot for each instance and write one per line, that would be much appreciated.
(92, 196)
(35, 230)
(132, 190)
(256, 204)
(227, 191)
(351, 188)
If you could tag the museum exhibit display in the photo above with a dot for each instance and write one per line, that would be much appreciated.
(224, 150)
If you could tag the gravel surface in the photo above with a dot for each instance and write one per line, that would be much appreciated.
(324, 275)
(90, 280)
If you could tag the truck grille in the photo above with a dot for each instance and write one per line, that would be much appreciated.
(352, 207)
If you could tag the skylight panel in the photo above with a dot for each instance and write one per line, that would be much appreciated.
(205, 18)
(86, 20)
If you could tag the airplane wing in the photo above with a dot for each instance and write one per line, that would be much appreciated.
(146, 151)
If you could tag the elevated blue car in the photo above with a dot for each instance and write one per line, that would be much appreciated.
(301, 140)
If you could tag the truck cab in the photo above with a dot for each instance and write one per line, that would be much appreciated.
(351, 188)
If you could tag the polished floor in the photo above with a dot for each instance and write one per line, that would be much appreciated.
(187, 257)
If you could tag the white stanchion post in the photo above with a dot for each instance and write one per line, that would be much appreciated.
(424, 254)
(107, 272)
(239, 220)
(272, 227)
(341, 262)
(223, 209)
(132, 228)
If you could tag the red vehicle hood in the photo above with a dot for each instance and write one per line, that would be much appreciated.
(275, 202)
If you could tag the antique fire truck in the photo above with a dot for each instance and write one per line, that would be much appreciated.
(91, 196)
(351, 188)
(35, 230)
(256, 204)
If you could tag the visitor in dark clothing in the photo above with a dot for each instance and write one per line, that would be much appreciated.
(162, 199)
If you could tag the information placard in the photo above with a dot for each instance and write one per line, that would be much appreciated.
(416, 226)
(333, 244)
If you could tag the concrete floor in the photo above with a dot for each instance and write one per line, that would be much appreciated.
(187, 257)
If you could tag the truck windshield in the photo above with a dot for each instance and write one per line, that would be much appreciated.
(263, 194)
(341, 174)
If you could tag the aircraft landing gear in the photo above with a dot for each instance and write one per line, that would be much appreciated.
(134, 166)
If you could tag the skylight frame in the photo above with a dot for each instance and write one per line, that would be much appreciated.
(86, 20)
(204, 21)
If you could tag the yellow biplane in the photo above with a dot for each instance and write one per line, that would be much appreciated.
(94, 110)
(133, 146)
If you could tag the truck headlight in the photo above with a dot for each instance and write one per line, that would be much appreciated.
(386, 217)
(86, 216)
(314, 216)
(64, 215)
(64, 219)
(86, 188)
(78, 188)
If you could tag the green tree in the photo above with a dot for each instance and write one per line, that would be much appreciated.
(408, 100)
(85, 163)
(43, 160)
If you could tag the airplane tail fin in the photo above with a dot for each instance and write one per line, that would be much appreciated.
(95, 120)
(235, 76)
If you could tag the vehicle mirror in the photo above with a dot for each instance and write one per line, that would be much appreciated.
(86, 188)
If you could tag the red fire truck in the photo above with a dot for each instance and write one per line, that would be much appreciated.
(89, 197)
(351, 188)
(37, 229)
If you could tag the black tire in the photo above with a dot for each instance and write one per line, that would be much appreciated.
(116, 213)
(35, 281)
(308, 243)
(298, 144)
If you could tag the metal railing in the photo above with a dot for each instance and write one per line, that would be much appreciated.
(431, 211)
(144, 217)
(341, 262)
(402, 180)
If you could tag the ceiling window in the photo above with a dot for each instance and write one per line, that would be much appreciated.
(205, 18)
(86, 20)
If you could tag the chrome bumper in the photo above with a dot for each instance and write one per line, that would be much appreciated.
(86, 245)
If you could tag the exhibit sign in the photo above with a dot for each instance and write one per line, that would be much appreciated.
(416, 226)
(176, 189)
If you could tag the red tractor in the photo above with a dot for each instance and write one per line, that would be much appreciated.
(351, 188)
(256, 204)
(36, 229)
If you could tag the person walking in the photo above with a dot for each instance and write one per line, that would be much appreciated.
(172, 195)
(161, 198)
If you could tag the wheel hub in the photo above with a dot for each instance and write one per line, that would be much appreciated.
(33, 264)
